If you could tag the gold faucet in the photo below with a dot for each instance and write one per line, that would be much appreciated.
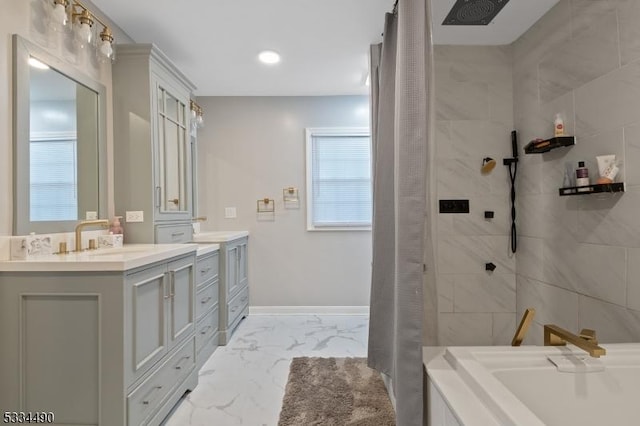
(556, 336)
(102, 222)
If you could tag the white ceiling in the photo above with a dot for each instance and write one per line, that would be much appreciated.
(324, 43)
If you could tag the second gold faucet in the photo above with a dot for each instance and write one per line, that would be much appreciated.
(79, 227)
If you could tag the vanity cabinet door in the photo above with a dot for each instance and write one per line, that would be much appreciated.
(147, 320)
(173, 153)
(242, 264)
(181, 300)
(232, 271)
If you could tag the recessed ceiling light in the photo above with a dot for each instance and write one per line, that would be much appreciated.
(269, 57)
(37, 64)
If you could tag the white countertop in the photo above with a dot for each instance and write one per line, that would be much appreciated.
(218, 236)
(204, 248)
(113, 259)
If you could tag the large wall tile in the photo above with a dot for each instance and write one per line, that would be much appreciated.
(609, 102)
(459, 329)
(553, 305)
(484, 292)
(469, 254)
(582, 59)
(445, 292)
(550, 30)
(613, 323)
(587, 14)
(462, 100)
(633, 279)
(443, 139)
(610, 219)
(628, 18)
(461, 177)
(475, 224)
(547, 216)
(479, 138)
(489, 64)
(529, 257)
(593, 270)
(504, 327)
(632, 155)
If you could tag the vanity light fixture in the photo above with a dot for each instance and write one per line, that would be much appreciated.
(82, 20)
(197, 118)
(269, 57)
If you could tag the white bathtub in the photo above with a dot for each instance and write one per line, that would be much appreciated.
(520, 386)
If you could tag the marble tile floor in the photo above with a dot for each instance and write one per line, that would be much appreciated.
(243, 382)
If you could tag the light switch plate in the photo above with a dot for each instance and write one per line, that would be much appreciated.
(91, 215)
(134, 216)
(230, 212)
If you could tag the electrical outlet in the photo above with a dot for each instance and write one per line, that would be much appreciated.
(91, 215)
(134, 216)
(230, 213)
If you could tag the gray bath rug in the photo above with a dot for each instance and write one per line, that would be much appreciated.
(335, 392)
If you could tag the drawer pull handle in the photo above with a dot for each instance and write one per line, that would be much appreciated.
(177, 234)
(204, 271)
(178, 366)
(148, 399)
(235, 308)
(205, 300)
(205, 330)
(244, 299)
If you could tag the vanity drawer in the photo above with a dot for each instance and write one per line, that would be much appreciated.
(206, 298)
(174, 234)
(143, 402)
(206, 328)
(237, 304)
(206, 267)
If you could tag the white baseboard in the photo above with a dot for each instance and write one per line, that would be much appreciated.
(308, 310)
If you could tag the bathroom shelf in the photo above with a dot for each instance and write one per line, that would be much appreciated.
(538, 147)
(592, 189)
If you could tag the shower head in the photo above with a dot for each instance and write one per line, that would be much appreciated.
(474, 12)
(488, 164)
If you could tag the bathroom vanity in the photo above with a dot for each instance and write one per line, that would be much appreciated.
(106, 337)
(234, 278)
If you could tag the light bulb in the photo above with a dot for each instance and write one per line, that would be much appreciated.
(269, 57)
(59, 14)
(106, 49)
(83, 34)
(199, 121)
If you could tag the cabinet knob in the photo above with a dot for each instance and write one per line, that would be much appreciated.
(175, 201)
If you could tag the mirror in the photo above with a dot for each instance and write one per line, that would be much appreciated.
(59, 143)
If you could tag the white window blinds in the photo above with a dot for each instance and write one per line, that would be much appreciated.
(53, 180)
(340, 172)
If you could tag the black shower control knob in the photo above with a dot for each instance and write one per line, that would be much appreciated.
(489, 267)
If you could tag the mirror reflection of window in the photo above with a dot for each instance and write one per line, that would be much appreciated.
(61, 146)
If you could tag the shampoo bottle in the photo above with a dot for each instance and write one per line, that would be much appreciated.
(558, 126)
(582, 176)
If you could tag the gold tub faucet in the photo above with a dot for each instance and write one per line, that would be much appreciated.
(557, 336)
(79, 227)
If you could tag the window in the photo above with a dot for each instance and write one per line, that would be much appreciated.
(53, 178)
(338, 179)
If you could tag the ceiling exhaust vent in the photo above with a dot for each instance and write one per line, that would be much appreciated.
(474, 12)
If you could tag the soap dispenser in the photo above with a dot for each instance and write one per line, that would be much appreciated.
(116, 226)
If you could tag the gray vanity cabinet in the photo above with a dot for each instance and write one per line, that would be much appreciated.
(160, 311)
(152, 145)
(234, 290)
(207, 306)
(99, 347)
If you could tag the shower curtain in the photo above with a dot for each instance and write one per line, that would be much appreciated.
(400, 107)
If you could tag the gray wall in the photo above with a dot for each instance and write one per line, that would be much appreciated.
(252, 148)
(474, 113)
(579, 257)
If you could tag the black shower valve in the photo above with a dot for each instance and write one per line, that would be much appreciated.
(488, 214)
(489, 267)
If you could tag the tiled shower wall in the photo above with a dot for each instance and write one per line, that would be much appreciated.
(474, 112)
(578, 260)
